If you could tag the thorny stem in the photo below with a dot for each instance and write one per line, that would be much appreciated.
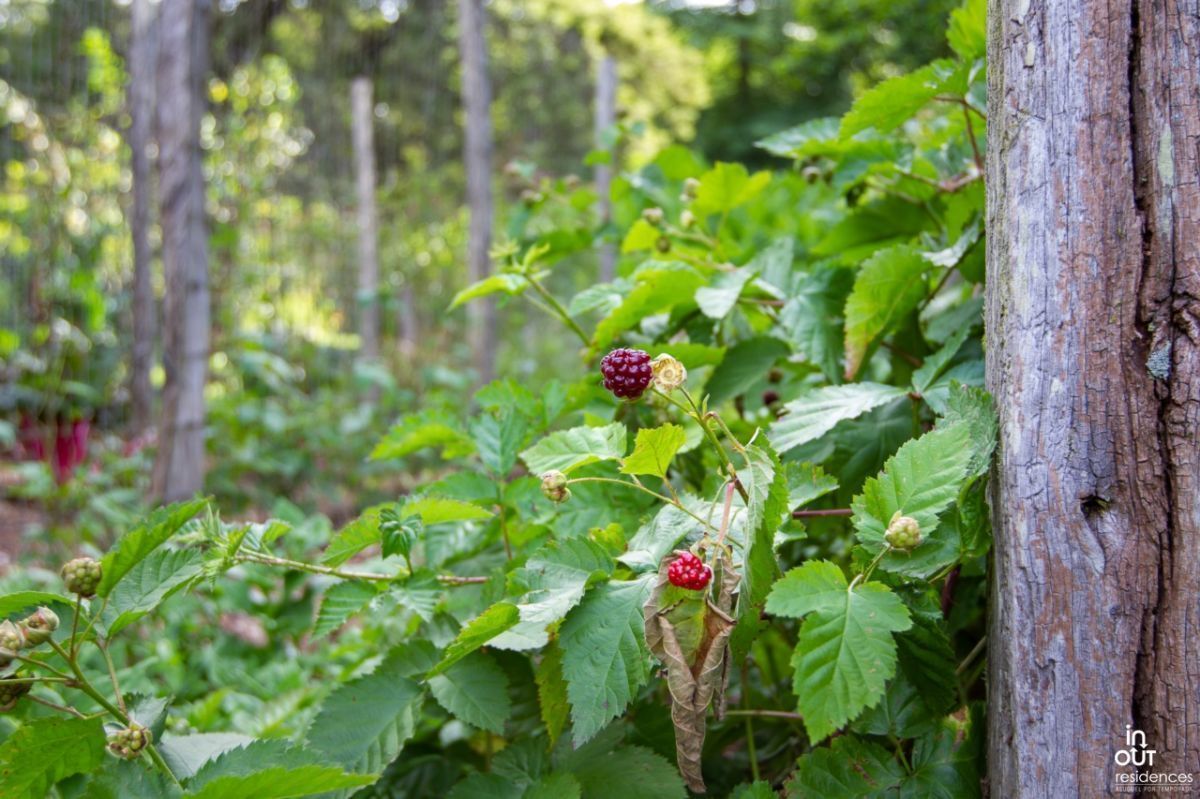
(702, 418)
(558, 308)
(313, 568)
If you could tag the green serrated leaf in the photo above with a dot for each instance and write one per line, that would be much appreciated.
(552, 692)
(475, 690)
(365, 530)
(341, 601)
(42, 752)
(744, 364)
(726, 186)
(846, 652)
(812, 317)
(555, 786)
(554, 578)
(477, 632)
(967, 31)
(187, 754)
(282, 783)
(12, 604)
(807, 483)
(889, 286)
(604, 655)
(421, 431)
(717, 299)
(131, 548)
(921, 480)
(816, 413)
(151, 581)
(849, 768)
(363, 724)
(579, 446)
(498, 439)
(895, 100)
(630, 772)
(503, 283)
(927, 660)
(973, 407)
(659, 287)
(653, 450)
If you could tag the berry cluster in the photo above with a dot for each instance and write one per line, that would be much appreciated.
(82, 576)
(688, 571)
(626, 372)
(903, 532)
(129, 742)
(12, 640)
(554, 486)
(30, 632)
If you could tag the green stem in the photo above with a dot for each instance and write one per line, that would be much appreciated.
(766, 714)
(40, 664)
(112, 674)
(56, 706)
(644, 490)
(313, 568)
(712, 439)
(866, 575)
(561, 312)
(974, 653)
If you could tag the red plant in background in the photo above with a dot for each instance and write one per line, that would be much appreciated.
(70, 444)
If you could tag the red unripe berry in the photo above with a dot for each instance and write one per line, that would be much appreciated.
(688, 571)
(627, 373)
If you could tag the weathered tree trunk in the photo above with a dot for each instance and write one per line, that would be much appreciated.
(477, 156)
(1094, 361)
(409, 328)
(179, 470)
(362, 118)
(143, 56)
(605, 118)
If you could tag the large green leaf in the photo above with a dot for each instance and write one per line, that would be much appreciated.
(920, 481)
(967, 32)
(498, 439)
(654, 449)
(139, 542)
(889, 286)
(579, 446)
(554, 578)
(890, 103)
(849, 768)
(744, 364)
(717, 299)
(726, 186)
(846, 652)
(604, 655)
(364, 531)
(630, 772)
(42, 752)
(279, 782)
(659, 287)
(363, 724)
(11, 604)
(477, 632)
(475, 690)
(420, 431)
(187, 754)
(552, 692)
(502, 283)
(151, 581)
(341, 601)
(817, 412)
(812, 317)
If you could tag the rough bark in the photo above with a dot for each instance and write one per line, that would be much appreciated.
(362, 118)
(179, 469)
(143, 54)
(477, 157)
(605, 118)
(1093, 360)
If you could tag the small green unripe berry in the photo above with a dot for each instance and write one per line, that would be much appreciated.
(663, 244)
(554, 486)
(653, 215)
(687, 219)
(691, 187)
(82, 576)
(12, 640)
(903, 532)
(129, 742)
(39, 626)
(11, 693)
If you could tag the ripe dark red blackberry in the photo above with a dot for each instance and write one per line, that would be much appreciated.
(626, 373)
(688, 571)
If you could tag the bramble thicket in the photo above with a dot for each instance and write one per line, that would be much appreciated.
(718, 525)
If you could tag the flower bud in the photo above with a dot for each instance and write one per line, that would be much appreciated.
(903, 532)
(687, 219)
(668, 373)
(691, 187)
(39, 626)
(554, 486)
(129, 742)
(12, 640)
(653, 215)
